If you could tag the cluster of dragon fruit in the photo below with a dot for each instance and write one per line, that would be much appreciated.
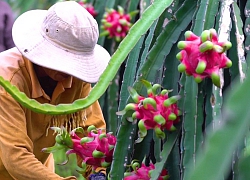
(144, 172)
(158, 111)
(89, 7)
(95, 149)
(200, 56)
(203, 56)
(116, 23)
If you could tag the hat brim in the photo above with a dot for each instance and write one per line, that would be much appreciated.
(29, 40)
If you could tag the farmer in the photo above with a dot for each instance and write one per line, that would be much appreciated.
(6, 23)
(55, 60)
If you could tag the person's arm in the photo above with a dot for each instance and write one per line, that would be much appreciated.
(16, 147)
(8, 21)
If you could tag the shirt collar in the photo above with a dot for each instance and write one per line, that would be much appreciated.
(36, 90)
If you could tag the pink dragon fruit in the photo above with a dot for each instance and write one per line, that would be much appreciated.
(144, 172)
(116, 24)
(157, 111)
(89, 7)
(203, 56)
(95, 149)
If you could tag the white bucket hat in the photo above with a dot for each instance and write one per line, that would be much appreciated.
(62, 38)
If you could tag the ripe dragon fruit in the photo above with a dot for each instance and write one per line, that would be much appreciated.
(203, 56)
(95, 149)
(89, 7)
(116, 24)
(144, 172)
(157, 111)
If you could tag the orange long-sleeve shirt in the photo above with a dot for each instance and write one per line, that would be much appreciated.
(23, 133)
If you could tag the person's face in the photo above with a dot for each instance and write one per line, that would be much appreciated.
(56, 75)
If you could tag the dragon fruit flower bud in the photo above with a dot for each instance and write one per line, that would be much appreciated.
(202, 57)
(158, 111)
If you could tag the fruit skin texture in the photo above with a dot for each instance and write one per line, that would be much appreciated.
(203, 56)
(158, 111)
(143, 172)
(116, 23)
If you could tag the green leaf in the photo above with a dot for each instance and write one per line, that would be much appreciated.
(225, 138)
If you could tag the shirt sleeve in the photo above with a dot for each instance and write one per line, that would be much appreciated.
(16, 147)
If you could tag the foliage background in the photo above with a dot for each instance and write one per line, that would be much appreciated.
(213, 137)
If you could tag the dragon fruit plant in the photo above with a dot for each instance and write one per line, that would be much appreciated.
(203, 56)
(144, 172)
(95, 149)
(157, 111)
(116, 23)
(89, 7)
